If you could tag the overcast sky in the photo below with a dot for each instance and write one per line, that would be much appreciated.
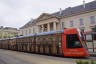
(16, 13)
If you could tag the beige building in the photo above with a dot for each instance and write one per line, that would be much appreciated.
(28, 28)
(82, 17)
(7, 32)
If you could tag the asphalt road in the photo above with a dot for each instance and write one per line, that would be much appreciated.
(13, 57)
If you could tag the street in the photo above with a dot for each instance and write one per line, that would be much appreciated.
(13, 57)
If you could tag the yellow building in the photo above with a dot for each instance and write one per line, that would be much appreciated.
(82, 17)
(7, 32)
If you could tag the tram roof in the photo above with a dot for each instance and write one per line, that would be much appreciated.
(51, 32)
(4, 38)
(42, 33)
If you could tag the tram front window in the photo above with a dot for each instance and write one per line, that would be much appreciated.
(73, 41)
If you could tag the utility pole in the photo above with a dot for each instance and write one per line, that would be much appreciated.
(60, 19)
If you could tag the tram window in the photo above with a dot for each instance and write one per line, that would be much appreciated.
(73, 41)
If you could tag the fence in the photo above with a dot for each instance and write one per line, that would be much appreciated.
(91, 42)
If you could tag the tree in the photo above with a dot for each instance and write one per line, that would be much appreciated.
(94, 29)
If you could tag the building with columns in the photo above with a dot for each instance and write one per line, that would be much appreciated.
(47, 22)
(82, 17)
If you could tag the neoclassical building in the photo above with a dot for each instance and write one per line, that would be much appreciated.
(82, 17)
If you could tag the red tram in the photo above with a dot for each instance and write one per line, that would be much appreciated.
(69, 42)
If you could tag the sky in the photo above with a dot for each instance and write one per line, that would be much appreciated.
(16, 13)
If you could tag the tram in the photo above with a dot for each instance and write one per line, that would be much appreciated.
(68, 42)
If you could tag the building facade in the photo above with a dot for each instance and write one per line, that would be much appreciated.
(82, 17)
(29, 28)
(7, 32)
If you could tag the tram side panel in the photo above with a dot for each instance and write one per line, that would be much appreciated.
(0, 44)
(49, 44)
(32, 44)
(42, 44)
(22, 44)
(6, 44)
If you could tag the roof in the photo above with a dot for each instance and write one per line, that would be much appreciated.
(51, 32)
(7, 28)
(10, 28)
(77, 9)
(30, 23)
(67, 12)
(42, 33)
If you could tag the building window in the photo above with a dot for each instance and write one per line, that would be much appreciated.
(81, 22)
(33, 30)
(26, 32)
(63, 25)
(92, 19)
(29, 31)
(22, 32)
(71, 23)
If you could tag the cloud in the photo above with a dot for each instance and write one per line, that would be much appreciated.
(15, 13)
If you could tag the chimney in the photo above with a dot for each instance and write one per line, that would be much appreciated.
(60, 11)
(84, 3)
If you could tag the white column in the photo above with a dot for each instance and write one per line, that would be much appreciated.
(48, 27)
(42, 28)
(39, 28)
(54, 25)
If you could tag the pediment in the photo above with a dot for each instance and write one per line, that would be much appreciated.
(44, 16)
